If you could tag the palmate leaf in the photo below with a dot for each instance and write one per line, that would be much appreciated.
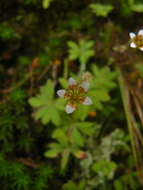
(47, 91)
(62, 147)
(60, 136)
(52, 153)
(104, 77)
(73, 50)
(99, 96)
(68, 142)
(77, 138)
(102, 83)
(85, 127)
(81, 113)
(65, 158)
(86, 50)
(47, 108)
(81, 51)
(100, 9)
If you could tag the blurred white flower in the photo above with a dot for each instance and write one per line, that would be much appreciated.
(136, 40)
(75, 94)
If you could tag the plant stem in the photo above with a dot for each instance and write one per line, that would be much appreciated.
(65, 68)
(82, 68)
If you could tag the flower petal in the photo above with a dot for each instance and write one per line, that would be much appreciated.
(132, 35)
(141, 48)
(140, 32)
(87, 101)
(61, 93)
(133, 45)
(85, 85)
(69, 108)
(71, 81)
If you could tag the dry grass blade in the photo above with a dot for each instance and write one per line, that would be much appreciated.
(138, 106)
(135, 134)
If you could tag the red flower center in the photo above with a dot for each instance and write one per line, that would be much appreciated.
(75, 94)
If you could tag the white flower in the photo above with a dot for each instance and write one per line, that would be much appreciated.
(85, 85)
(136, 40)
(140, 32)
(70, 108)
(87, 101)
(75, 94)
(71, 82)
(133, 45)
(141, 48)
(61, 93)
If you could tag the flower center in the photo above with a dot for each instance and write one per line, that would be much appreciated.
(138, 40)
(75, 94)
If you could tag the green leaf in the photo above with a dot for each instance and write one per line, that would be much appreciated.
(47, 109)
(65, 158)
(82, 112)
(60, 135)
(118, 185)
(60, 104)
(55, 145)
(137, 8)
(85, 127)
(52, 153)
(81, 185)
(35, 102)
(81, 51)
(63, 82)
(77, 138)
(6, 31)
(100, 9)
(104, 78)
(69, 186)
(45, 117)
(46, 3)
(21, 181)
(103, 81)
(55, 118)
(41, 113)
(105, 168)
(47, 91)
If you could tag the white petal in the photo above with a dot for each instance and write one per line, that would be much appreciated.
(87, 101)
(61, 93)
(71, 81)
(133, 45)
(140, 32)
(132, 35)
(141, 48)
(85, 85)
(70, 108)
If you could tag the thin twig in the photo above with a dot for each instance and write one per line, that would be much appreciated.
(28, 162)
(45, 71)
(8, 90)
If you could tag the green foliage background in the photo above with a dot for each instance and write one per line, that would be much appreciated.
(42, 44)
